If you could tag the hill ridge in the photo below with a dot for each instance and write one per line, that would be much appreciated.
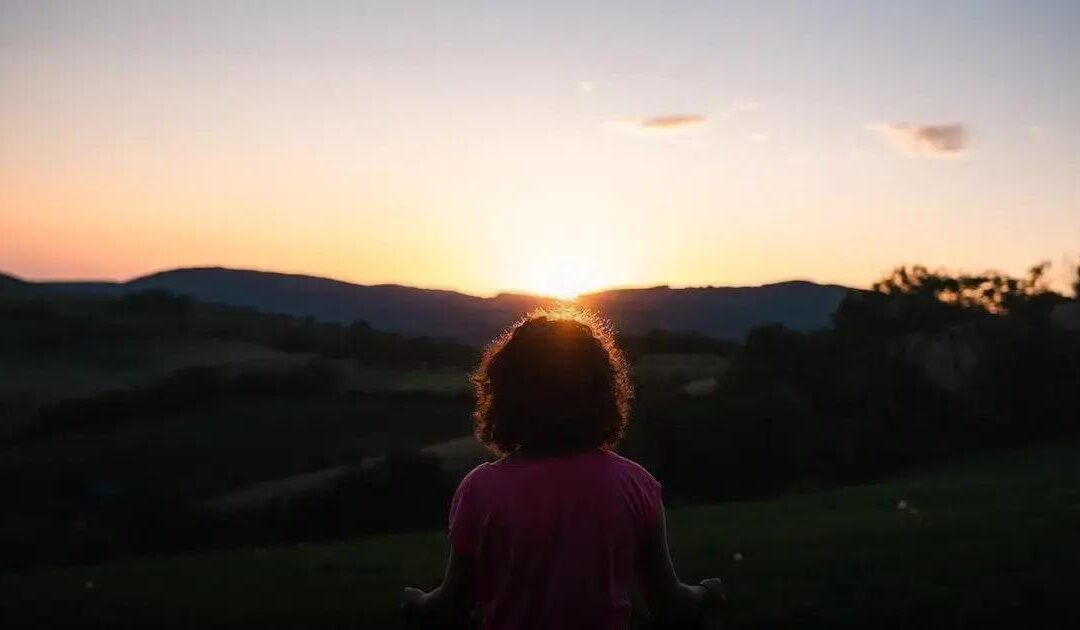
(716, 311)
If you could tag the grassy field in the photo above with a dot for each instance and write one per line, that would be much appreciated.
(680, 367)
(232, 443)
(39, 379)
(990, 541)
(58, 375)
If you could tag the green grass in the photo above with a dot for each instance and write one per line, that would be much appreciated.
(990, 541)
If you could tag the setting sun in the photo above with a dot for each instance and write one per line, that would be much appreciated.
(560, 247)
(563, 276)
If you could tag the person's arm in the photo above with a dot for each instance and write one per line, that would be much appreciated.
(668, 597)
(450, 601)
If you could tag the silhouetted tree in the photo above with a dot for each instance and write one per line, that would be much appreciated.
(991, 291)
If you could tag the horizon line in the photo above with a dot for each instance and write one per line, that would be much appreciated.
(496, 294)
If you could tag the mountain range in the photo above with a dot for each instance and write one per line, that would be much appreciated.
(721, 312)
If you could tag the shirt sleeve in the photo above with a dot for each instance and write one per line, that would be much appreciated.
(466, 519)
(643, 494)
(651, 500)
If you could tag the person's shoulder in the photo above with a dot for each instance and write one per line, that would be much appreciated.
(473, 484)
(622, 461)
(643, 491)
(628, 466)
(478, 474)
(481, 476)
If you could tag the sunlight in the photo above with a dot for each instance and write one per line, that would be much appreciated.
(562, 248)
(562, 276)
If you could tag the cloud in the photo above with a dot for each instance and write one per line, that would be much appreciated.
(586, 87)
(663, 124)
(677, 121)
(925, 140)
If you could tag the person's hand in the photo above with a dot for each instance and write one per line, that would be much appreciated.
(413, 601)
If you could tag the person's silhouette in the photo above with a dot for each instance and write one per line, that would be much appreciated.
(556, 532)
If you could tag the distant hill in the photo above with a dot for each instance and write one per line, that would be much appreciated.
(10, 283)
(724, 312)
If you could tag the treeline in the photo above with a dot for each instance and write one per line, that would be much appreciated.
(47, 322)
(674, 342)
(193, 388)
(924, 366)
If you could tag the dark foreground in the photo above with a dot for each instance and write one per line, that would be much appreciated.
(992, 541)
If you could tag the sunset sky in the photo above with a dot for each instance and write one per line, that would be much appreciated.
(562, 147)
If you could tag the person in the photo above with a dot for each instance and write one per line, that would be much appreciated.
(557, 531)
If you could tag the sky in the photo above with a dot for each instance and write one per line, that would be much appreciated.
(550, 147)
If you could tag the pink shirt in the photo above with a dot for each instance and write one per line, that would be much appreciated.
(554, 540)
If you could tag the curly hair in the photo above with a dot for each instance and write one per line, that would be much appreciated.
(554, 382)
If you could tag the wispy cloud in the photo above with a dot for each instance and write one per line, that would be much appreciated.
(663, 124)
(585, 87)
(925, 140)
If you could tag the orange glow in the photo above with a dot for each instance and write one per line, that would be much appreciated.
(563, 277)
(377, 145)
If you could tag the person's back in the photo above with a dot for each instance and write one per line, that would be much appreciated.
(554, 539)
(556, 533)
